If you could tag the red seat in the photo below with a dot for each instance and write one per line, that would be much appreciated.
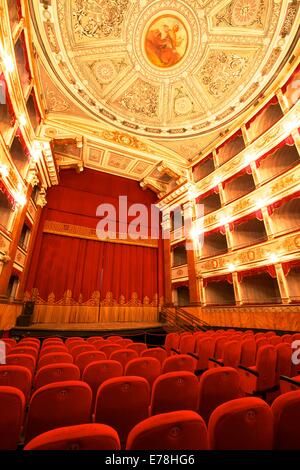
(55, 358)
(92, 339)
(217, 386)
(231, 355)
(29, 343)
(114, 338)
(248, 352)
(157, 353)
(122, 402)
(56, 373)
(138, 347)
(123, 356)
(52, 340)
(286, 386)
(73, 339)
(31, 339)
(261, 342)
(274, 340)
(175, 391)
(56, 405)
(171, 342)
(270, 334)
(97, 372)
(179, 362)
(204, 350)
(286, 411)
(242, 424)
(187, 344)
(80, 437)
(109, 348)
(178, 430)
(23, 360)
(16, 376)
(283, 361)
(10, 341)
(147, 367)
(85, 358)
(12, 408)
(287, 338)
(78, 349)
(28, 350)
(219, 346)
(262, 376)
(53, 349)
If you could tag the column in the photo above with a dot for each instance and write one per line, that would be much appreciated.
(191, 257)
(237, 289)
(268, 222)
(166, 230)
(202, 291)
(282, 284)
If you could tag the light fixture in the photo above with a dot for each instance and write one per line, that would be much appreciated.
(263, 202)
(20, 199)
(4, 171)
(231, 267)
(194, 233)
(22, 120)
(274, 258)
(36, 151)
(224, 219)
(289, 125)
(250, 157)
(8, 63)
(217, 180)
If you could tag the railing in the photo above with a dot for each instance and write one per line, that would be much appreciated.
(177, 319)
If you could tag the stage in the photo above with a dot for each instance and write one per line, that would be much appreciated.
(92, 326)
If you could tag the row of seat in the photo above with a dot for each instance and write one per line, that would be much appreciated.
(240, 424)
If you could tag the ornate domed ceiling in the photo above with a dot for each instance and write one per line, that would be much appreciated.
(165, 70)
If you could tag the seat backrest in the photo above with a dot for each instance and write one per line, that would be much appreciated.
(73, 339)
(79, 437)
(124, 342)
(52, 340)
(232, 353)
(157, 353)
(179, 362)
(172, 341)
(270, 334)
(10, 341)
(53, 349)
(97, 372)
(28, 350)
(217, 386)
(24, 360)
(16, 376)
(109, 348)
(55, 358)
(56, 373)
(147, 367)
(288, 338)
(92, 339)
(138, 347)
(219, 346)
(177, 430)
(56, 405)
(114, 338)
(85, 358)
(76, 350)
(286, 411)
(187, 344)
(31, 339)
(284, 360)
(121, 403)
(175, 391)
(266, 367)
(29, 343)
(286, 387)
(205, 347)
(248, 352)
(12, 408)
(261, 342)
(241, 424)
(274, 340)
(123, 356)
(76, 342)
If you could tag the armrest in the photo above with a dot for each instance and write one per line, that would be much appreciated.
(220, 363)
(289, 380)
(175, 351)
(199, 372)
(251, 371)
(193, 355)
(162, 347)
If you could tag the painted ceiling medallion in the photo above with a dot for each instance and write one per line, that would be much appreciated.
(166, 41)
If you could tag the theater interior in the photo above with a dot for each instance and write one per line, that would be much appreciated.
(149, 225)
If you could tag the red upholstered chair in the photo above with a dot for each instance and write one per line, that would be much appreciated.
(270, 334)
(12, 408)
(289, 384)
(219, 346)
(29, 343)
(171, 342)
(241, 424)
(78, 349)
(248, 352)
(138, 347)
(205, 347)
(56, 405)
(16, 376)
(98, 343)
(231, 355)
(260, 378)
(177, 430)
(187, 343)
(261, 342)
(80, 437)
(24, 360)
(73, 339)
(109, 348)
(85, 358)
(121, 403)
(286, 411)
(274, 340)
(283, 360)
(92, 339)
(31, 339)
(157, 353)
(53, 349)
(179, 362)
(114, 338)
(175, 391)
(97, 372)
(55, 358)
(52, 340)
(123, 356)
(259, 335)
(296, 336)
(147, 367)
(10, 341)
(56, 373)
(74, 343)
(288, 338)
(217, 386)
(28, 350)
(124, 342)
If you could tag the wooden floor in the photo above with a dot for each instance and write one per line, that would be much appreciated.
(92, 326)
